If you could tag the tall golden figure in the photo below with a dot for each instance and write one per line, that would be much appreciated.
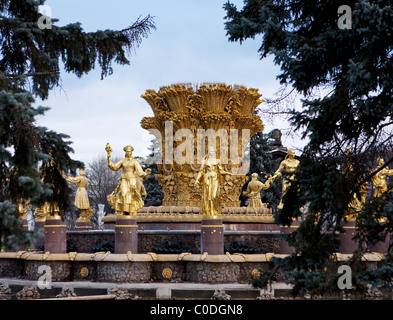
(81, 197)
(358, 198)
(379, 179)
(289, 164)
(210, 176)
(126, 199)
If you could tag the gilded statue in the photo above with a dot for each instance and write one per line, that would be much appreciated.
(48, 209)
(23, 208)
(359, 198)
(126, 199)
(379, 178)
(358, 201)
(253, 192)
(41, 212)
(289, 164)
(210, 176)
(81, 198)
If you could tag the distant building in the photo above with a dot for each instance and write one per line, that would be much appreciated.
(278, 151)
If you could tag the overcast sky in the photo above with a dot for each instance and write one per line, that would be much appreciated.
(189, 46)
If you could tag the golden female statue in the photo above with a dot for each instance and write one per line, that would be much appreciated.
(289, 164)
(379, 179)
(23, 208)
(359, 198)
(211, 176)
(48, 209)
(254, 188)
(126, 198)
(40, 213)
(81, 198)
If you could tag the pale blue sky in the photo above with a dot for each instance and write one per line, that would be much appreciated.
(188, 46)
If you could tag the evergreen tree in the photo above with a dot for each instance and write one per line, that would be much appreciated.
(153, 188)
(31, 157)
(355, 64)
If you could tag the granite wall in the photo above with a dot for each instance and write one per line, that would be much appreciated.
(128, 272)
(84, 241)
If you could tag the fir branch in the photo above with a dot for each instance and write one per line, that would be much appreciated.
(34, 74)
(139, 29)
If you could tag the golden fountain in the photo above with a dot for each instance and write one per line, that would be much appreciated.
(186, 116)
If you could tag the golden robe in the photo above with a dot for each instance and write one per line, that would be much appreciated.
(128, 197)
(210, 176)
(81, 198)
(254, 188)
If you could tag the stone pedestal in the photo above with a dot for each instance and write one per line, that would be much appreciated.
(25, 224)
(212, 236)
(347, 244)
(109, 226)
(126, 234)
(382, 246)
(79, 225)
(109, 221)
(55, 240)
(39, 225)
(285, 248)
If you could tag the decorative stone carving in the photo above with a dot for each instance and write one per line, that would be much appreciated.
(84, 272)
(167, 273)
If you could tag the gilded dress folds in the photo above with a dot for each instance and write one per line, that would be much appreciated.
(128, 197)
(254, 188)
(210, 177)
(81, 198)
(379, 178)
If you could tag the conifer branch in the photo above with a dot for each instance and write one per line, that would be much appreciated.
(140, 29)
(34, 74)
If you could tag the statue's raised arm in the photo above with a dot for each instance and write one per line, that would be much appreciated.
(108, 150)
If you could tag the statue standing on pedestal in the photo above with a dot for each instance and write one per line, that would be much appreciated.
(289, 164)
(40, 213)
(81, 198)
(359, 198)
(379, 179)
(126, 199)
(23, 208)
(254, 188)
(210, 177)
(51, 208)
